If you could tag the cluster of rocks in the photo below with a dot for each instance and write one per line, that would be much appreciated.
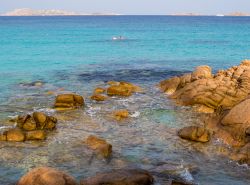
(122, 89)
(30, 127)
(226, 94)
(50, 176)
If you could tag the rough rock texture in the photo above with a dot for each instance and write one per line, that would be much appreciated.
(68, 101)
(194, 133)
(123, 89)
(100, 146)
(223, 90)
(120, 177)
(46, 176)
(237, 121)
(121, 114)
(37, 120)
(30, 127)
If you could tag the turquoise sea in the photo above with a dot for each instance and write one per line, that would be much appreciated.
(77, 54)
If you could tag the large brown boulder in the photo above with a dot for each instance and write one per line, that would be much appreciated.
(194, 133)
(237, 120)
(223, 90)
(46, 176)
(99, 145)
(120, 177)
(68, 101)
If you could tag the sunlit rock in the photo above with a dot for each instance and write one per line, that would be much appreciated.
(68, 101)
(46, 176)
(15, 134)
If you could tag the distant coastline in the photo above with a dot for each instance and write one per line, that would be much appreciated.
(57, 12)
(52, 12)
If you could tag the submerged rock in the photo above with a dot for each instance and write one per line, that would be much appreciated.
(120, 177)
(194, 133)
(121, 114)
(68, 101)
(46, 176)
(100, 146)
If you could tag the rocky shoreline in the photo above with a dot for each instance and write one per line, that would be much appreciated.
(222, 100)
(224, 97)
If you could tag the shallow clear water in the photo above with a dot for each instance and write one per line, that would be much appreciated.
(78, 54)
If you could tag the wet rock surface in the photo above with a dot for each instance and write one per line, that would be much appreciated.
(120, 177)
(99, 145)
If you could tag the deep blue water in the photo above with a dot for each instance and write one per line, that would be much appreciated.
(77, 53)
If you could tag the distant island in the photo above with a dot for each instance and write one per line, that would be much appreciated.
(196, 14)
(53, 12)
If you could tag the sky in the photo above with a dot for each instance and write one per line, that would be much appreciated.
(133, 7)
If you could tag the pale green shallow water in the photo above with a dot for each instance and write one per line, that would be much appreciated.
(78, 54)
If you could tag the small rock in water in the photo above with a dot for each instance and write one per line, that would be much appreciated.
(101, 146)
(194, 133)
(68, 101)
(46, 176)
(99, 90)
(123, 89)
(98, 97)
(121, 114)
(120, 177)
